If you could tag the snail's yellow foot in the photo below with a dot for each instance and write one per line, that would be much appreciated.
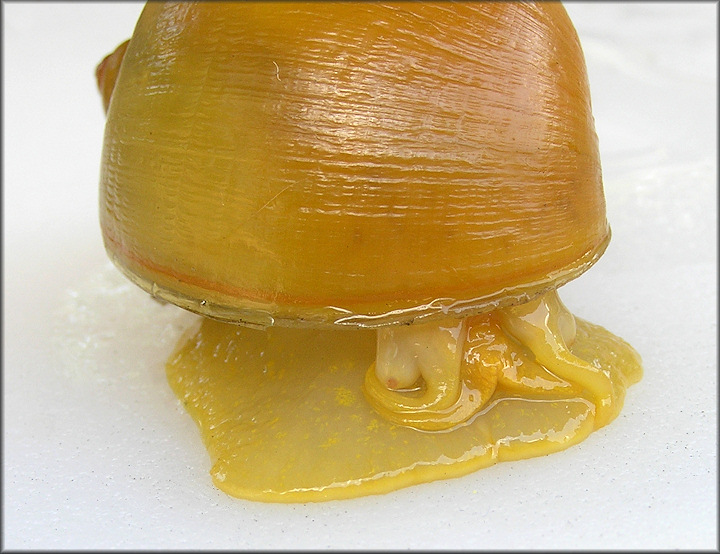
(548, 330)
(432, 376)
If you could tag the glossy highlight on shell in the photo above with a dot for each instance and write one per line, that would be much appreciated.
(403, 185)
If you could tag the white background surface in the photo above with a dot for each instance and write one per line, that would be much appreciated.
(99, 454)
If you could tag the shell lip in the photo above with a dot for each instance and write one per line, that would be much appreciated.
(262, 315)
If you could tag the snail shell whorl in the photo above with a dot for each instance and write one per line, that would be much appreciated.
(323, 160)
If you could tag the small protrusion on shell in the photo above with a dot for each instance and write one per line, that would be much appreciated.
(107, 71)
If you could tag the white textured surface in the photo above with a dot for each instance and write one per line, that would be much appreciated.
(99, 454)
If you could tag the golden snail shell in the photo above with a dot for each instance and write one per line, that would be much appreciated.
(304, 168)
(351, 163)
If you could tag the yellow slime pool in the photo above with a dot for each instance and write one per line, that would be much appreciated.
(284, 415)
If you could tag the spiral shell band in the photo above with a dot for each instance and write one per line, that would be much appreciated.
(221, 302)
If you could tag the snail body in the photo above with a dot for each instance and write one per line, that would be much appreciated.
(425, 173)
